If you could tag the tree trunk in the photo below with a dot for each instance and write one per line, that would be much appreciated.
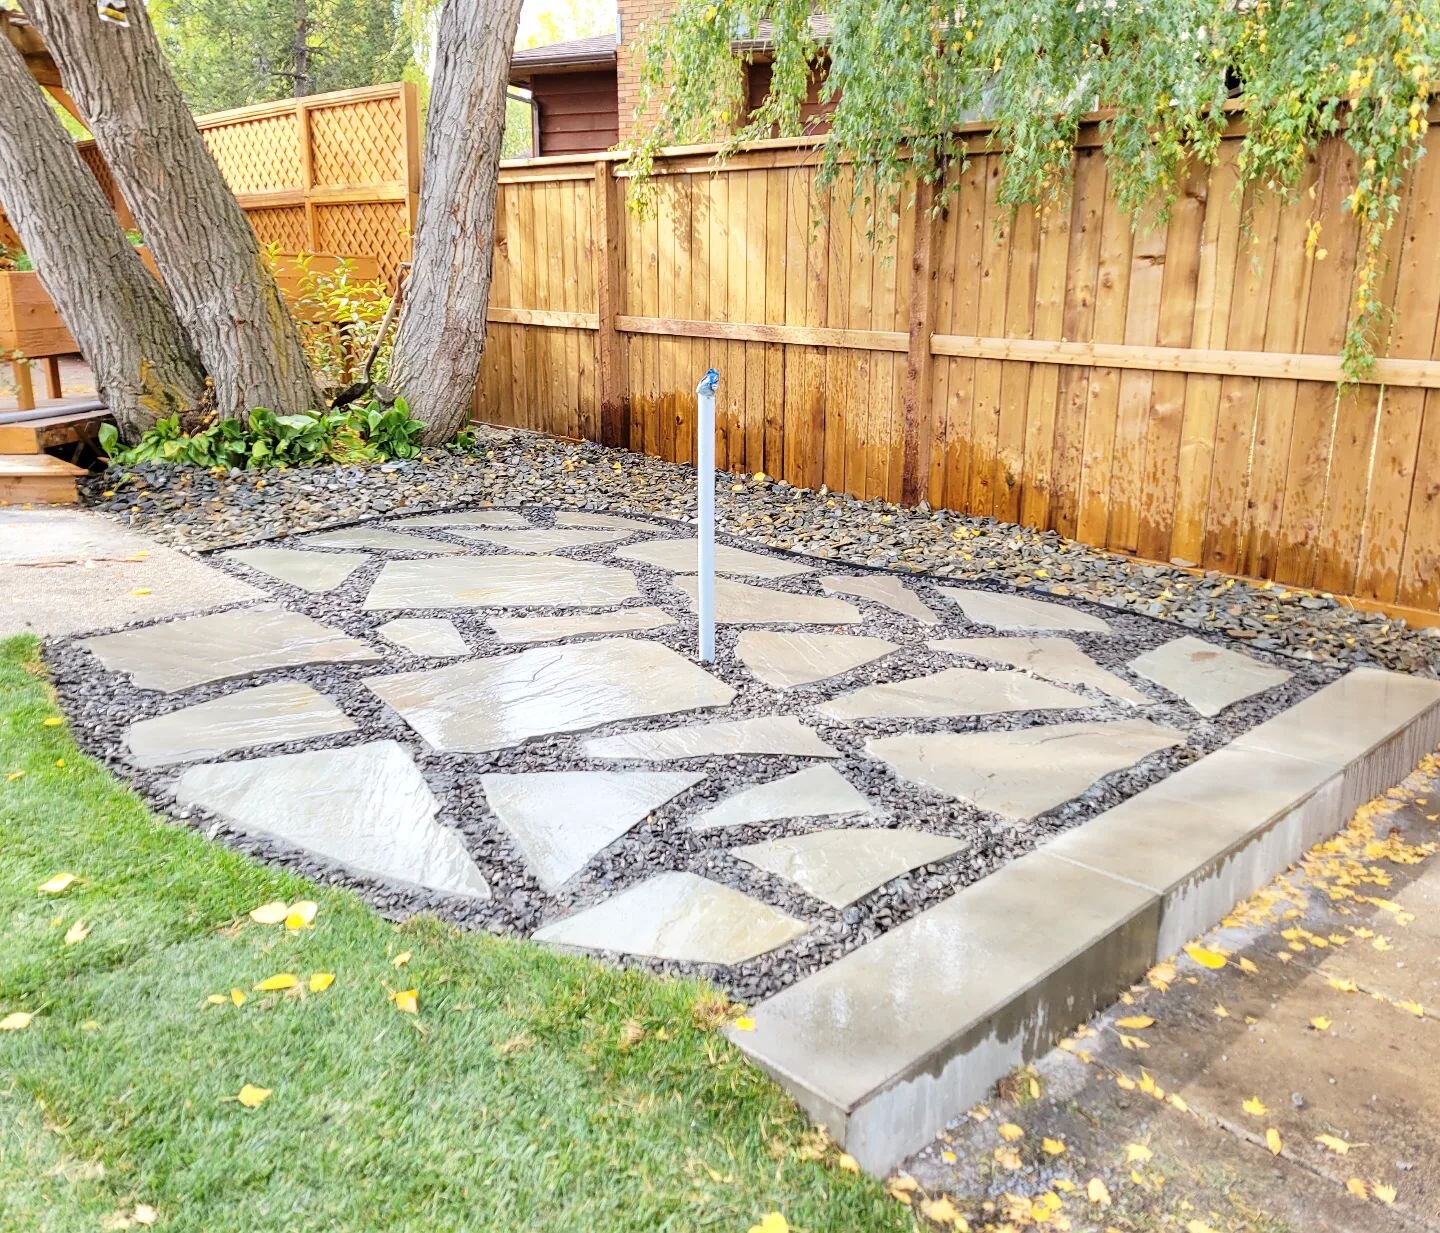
(301, 67)
(207, 254)
(436, 362)
(144, 365)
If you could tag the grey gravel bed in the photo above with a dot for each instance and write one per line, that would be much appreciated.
(102, 704)
(196, 509)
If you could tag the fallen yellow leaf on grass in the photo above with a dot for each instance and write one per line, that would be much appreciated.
(1273, 1141)
(848, 1163)
(301, 915)
(407, 1001)
(273, 984)
(1358, 1188)
(1255, 1107)
(1338, 1146)
(217, 999)
(1320, 1023)
(16, 1021)
(1097, 1192)
(253, 1097)
(1137, 1153)
(1205, 958)
(1052, 1147)
(77, 933)
(144, 1214)
(401, 959)
(940, 1210)
(321, 981)
(1010, 1132)
(1135, 1023)
(14, 775)
(237, 996)
(770, 1222)
(271, 913)
(57, 885)
(53, 722)
(1386, 1194)
(1198, 1226)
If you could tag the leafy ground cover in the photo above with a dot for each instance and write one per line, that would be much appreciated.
(146, 1080)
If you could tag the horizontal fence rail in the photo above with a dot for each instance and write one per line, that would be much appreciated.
(1171, 392)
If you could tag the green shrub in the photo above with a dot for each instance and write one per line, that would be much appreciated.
(369, 433)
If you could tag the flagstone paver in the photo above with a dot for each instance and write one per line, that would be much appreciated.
(952, 693)
(1019, 775)
(500, 582)
(1056, 659)
(515, 630)
(739, 603)
(560, 819)
(223, 645)
(265, 715)
(679, 916)
(541, 541)
(816, 792)
(841, 866)
(365, 807)
(315, 572)
(788, 660)
(782, 735)
(379, 539)
(468, 518)
(581, 518)
(1000, 610)
(884, 590)
(494, 703)
(682, 555)
(1208, 677)
(430, 636)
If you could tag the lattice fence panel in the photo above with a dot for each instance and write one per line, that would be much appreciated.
(357, 143)
(282, 225)
(378, 229)
(258, 155)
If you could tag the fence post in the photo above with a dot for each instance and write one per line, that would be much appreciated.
(919, 427)
(307, 172)
(609, 288)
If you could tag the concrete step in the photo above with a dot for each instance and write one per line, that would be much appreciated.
(39, 479)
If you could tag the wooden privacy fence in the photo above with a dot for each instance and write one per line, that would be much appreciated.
(1168, 392)
(332, 173)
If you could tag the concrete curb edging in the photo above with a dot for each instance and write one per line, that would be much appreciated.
(888, 1044)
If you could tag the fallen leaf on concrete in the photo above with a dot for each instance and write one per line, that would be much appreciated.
(1383, 1192)
(1338, 1146)
(1320, 1023)
(1255, 1107)
(1206, 958)
(1137, 1153)
(940, 1210)
(1247, 966)
(1133, 1042)
(1413, 1007)
(1342, 985)
(1010, 1132)
(1273, 1141)
(1098, 1192)
(1358, 1188)
(1135, 1023)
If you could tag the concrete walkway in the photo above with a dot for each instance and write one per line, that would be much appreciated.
(67, 571)
(1295, 1088)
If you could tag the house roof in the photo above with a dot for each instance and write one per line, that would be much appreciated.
(591, 53)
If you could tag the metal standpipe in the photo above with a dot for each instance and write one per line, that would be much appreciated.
(705, 482)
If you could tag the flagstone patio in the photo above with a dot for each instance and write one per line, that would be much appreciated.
(497, 715)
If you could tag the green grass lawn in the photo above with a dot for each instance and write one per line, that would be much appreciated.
(532, 1090)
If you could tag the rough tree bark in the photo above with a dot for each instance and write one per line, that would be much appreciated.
(218, 281)
(436, 361)
(144, 365)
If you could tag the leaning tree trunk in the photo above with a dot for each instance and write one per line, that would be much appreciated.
(207, 254)
(144, 365)
(436, 361)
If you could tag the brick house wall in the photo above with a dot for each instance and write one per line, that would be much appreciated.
(633, 15)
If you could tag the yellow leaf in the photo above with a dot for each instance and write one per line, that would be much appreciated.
(217, 999)
(744, 1024)
(1338, 1146)
(281, 980)
(903, 1183)
(1007, 1157)
(1343, 985)
(1179, 1102)
(77, 933)
(53, 722)
(1320, 1023)
(90, 1025)
(1010, 1132)
(1065, 1184)
(57, 885)
(1255, 1107)
(848, 1163)
(940, 1210)
(1247, 966)
(1133, 1042)
(253, 1097)
(1198, 1226)
(1137, 1153)
(1220, 1012)
(1358, 1188)
(271, 913)
(1413, 1007)
(321, 981)
(771, 1222)
(1273, 1141)
(407, 1001)
(1098, 1192)
(144, 1214)
(1161, 976)
(1125, 1083)
(949, 1157)
(14, 775)
(401, 959)
(16, 1021)
(1205, 958)
(237, 996)
(1052, 1147)
(1135, 1023)
(1383, 1192)
(301, 915)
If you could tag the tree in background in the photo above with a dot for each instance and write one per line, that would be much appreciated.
(229, 53)
(904, 78)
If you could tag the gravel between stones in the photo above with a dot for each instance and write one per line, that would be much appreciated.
(102, 704)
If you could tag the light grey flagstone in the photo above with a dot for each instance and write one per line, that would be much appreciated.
(538, 541)
(1056, 659)
(770, 734)
(789, 659)
(1002, 610)
(952, 693)
(840, 866)
(1207, 676)
(739, 603)
(430, 636)
(816, 792)
(500, 582)
(468, 518)
(583, 518)
(681, 555)
(883, 589)
(516, 630)
(379, 539)
(315, 572)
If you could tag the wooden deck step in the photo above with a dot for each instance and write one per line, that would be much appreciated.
(60, 427)
(40, 479)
